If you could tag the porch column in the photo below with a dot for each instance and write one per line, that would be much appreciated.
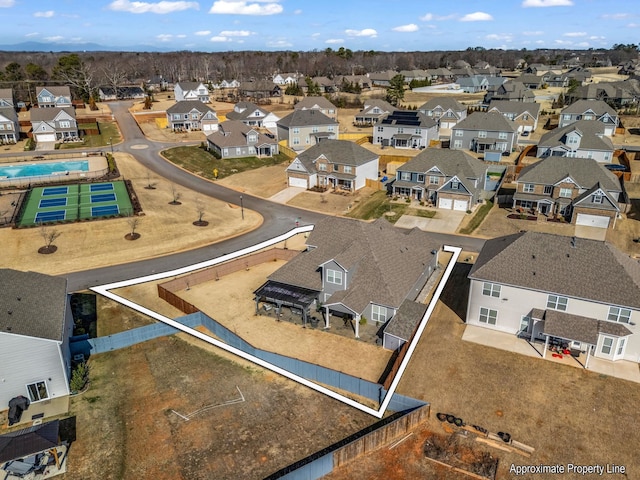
(546, 346)
(357, 320)
(257, 309)
(326, 318)
(586, 363)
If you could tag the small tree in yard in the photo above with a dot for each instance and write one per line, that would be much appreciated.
(79, 377)
(175, 194)
(395, 92)
(201, 211)
(49, 236)
(133, 222)
(150, 185)
(148, 102)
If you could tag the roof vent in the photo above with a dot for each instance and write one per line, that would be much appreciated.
(573, 242)
(19, 298)
(8, 329)
(533, 256)
(10, 312)
(534, 273)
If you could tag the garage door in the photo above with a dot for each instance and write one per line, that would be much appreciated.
(297, 182)
(445, 203)
(46, 137)
(461, 205)
(592, 220)
(208, 127)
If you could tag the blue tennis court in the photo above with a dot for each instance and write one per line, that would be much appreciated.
(55, 191)
(105, 210)
(53, 216)
(53, 202)
(101, 187)
(103, 197)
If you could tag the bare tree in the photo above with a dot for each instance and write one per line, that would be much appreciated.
(133, 223)
(150, 185)
(200, 208)
(49, 235)
(114, 75)
(175, 195)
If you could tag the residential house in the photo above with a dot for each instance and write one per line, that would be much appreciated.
(361, 81)
(6, 98)
(440, 75)
(318, 103)
(405, 129)
(484, 132)
(447, 179)
(229, 84)
(572, 295)
(325, 84)
(617, 94)
(158, 83)
(584, 139)
(580, 190)
(48, 97)
(285, 79)
(254, 116)
(304, 128)
(236, 139)
(372, 112)
(260, 89)
(123, 92)
(9, 124)
(357, 271)
(417, 75)
(191, 91)
(510, 90)
(34, 342)
(192, 115)
(446, 111)
(54, 124)
(539, 69)
(382, 79)
(473, 84)
(590, 110)
(334, 164)
(556, 80)
(530, 80)
(523, 114)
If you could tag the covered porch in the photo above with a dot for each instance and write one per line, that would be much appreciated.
(341, 181)
(481, 145)
(266, 150)
(406, 140)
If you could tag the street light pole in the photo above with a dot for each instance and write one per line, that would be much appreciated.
(241, 207)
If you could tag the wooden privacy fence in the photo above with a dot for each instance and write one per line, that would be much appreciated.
(167, 290)
(380, 437)
(386, 383)
(289, 152)
(374, 184)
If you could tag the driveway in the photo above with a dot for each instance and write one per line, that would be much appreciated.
(593, 233)
(283, 196)
(445, 221)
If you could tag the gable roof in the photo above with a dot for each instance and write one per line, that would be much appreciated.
(189, 86)
(592, 270)
(591, 131)
(449, 162)
(404, 322)
(32, 304)
(581, 106)
(410, 118)
(186, 106)
(306, 118)
(488, 121)
(586, 172)
(233, 133)
(386, 262)
(340, 152)
(515, 107)
(446, 103)
(59, 91)
(49, 114)
(377, 102)
(315, 102)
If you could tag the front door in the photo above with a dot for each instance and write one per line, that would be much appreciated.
(544, 208)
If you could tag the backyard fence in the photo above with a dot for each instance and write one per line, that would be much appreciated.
(289, 152)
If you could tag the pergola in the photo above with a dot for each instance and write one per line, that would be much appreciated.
(283, 295)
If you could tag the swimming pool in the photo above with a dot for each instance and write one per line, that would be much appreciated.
(41, 169)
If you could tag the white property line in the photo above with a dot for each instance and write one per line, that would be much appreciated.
(105, 290)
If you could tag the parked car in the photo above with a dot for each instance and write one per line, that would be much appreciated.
(615, 167)
(525, 133)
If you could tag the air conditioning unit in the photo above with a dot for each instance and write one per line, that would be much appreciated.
(78, 357)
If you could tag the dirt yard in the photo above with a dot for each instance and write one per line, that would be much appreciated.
(126, 428)
(543, 404)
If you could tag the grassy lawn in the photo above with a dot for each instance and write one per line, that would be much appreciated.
(477, 218)
(201, 162)
(378, 205)
(108, 132)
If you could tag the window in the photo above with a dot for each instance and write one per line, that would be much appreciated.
(252, 138)
(296, 141)
(548, 189)
(457, 144)
(454, 184)
(38, 391)
(225, 152)
(528, 188)
(348, 169)
(296, 130)
(380, 129)
(420, 178)
(555, 302)
(597, 198)
(406, 176)
(567, 116)
(607, 156)
(525, 117)
(588, 117)
(488, 316)
(621, 343)
(459, 133)
(491, 290)
(194, 116)
(589, 154)
(400, 130)
(502, 135)
(482, 134)
(315, 129)
(238, 151)
(617, 314)
(433, 180)
(566, 192)
(572, 140)
(330, 128)
(378, 313)
(607, 344)
(418, 131)
(336, 167)
(334, 276)
(65, 124)
(322, 167)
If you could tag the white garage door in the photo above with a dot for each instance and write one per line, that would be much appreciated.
(297, 182)
(445, 203)
(46, 137)
(592, 220)
(209, 127)
(462, 205)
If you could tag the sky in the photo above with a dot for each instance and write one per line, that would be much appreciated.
(304, 25)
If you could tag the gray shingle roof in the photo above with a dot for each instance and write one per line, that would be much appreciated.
(585, 199)
(233, 133)
(494, 122)
(386, 262)
(59, 91)
(593, 270)
(242, 110)
(515, 107)
(597, 106)
(586, 172)
(446, 103)
(340, 152)
(408, 118)
(582, 329)
(404, 322)
(32, 304)
(593, 137)
(48, 114)
(449, 162)
(315, 102)
(186, 106)
(306, 118)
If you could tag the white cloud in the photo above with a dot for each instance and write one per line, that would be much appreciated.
(55, 38)
(574, 34)
(7, 3)
(412, 27)
(227, 7)
(316, 34)
(148, 7)
(504, 37)
(334, 40)
(164, 37)
(616, 16)
(564, 42)
(427, 17)
(47, 14)
(533, 34)
(367, 32)
(203, 33)
(182, 35)
(476, 17)
(220, 39)
(236, 33)
(32, 34)
(596, 37)
(279, 44)
(297, 12)
(547, 3)
(633, 25)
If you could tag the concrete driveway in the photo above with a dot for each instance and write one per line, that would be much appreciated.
(593, 233)
(445, 221)
(283, 196)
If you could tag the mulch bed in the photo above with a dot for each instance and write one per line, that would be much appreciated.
(517, 216)
(132, 236)
(48, 250)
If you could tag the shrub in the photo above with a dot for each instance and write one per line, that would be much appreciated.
(79, 377)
